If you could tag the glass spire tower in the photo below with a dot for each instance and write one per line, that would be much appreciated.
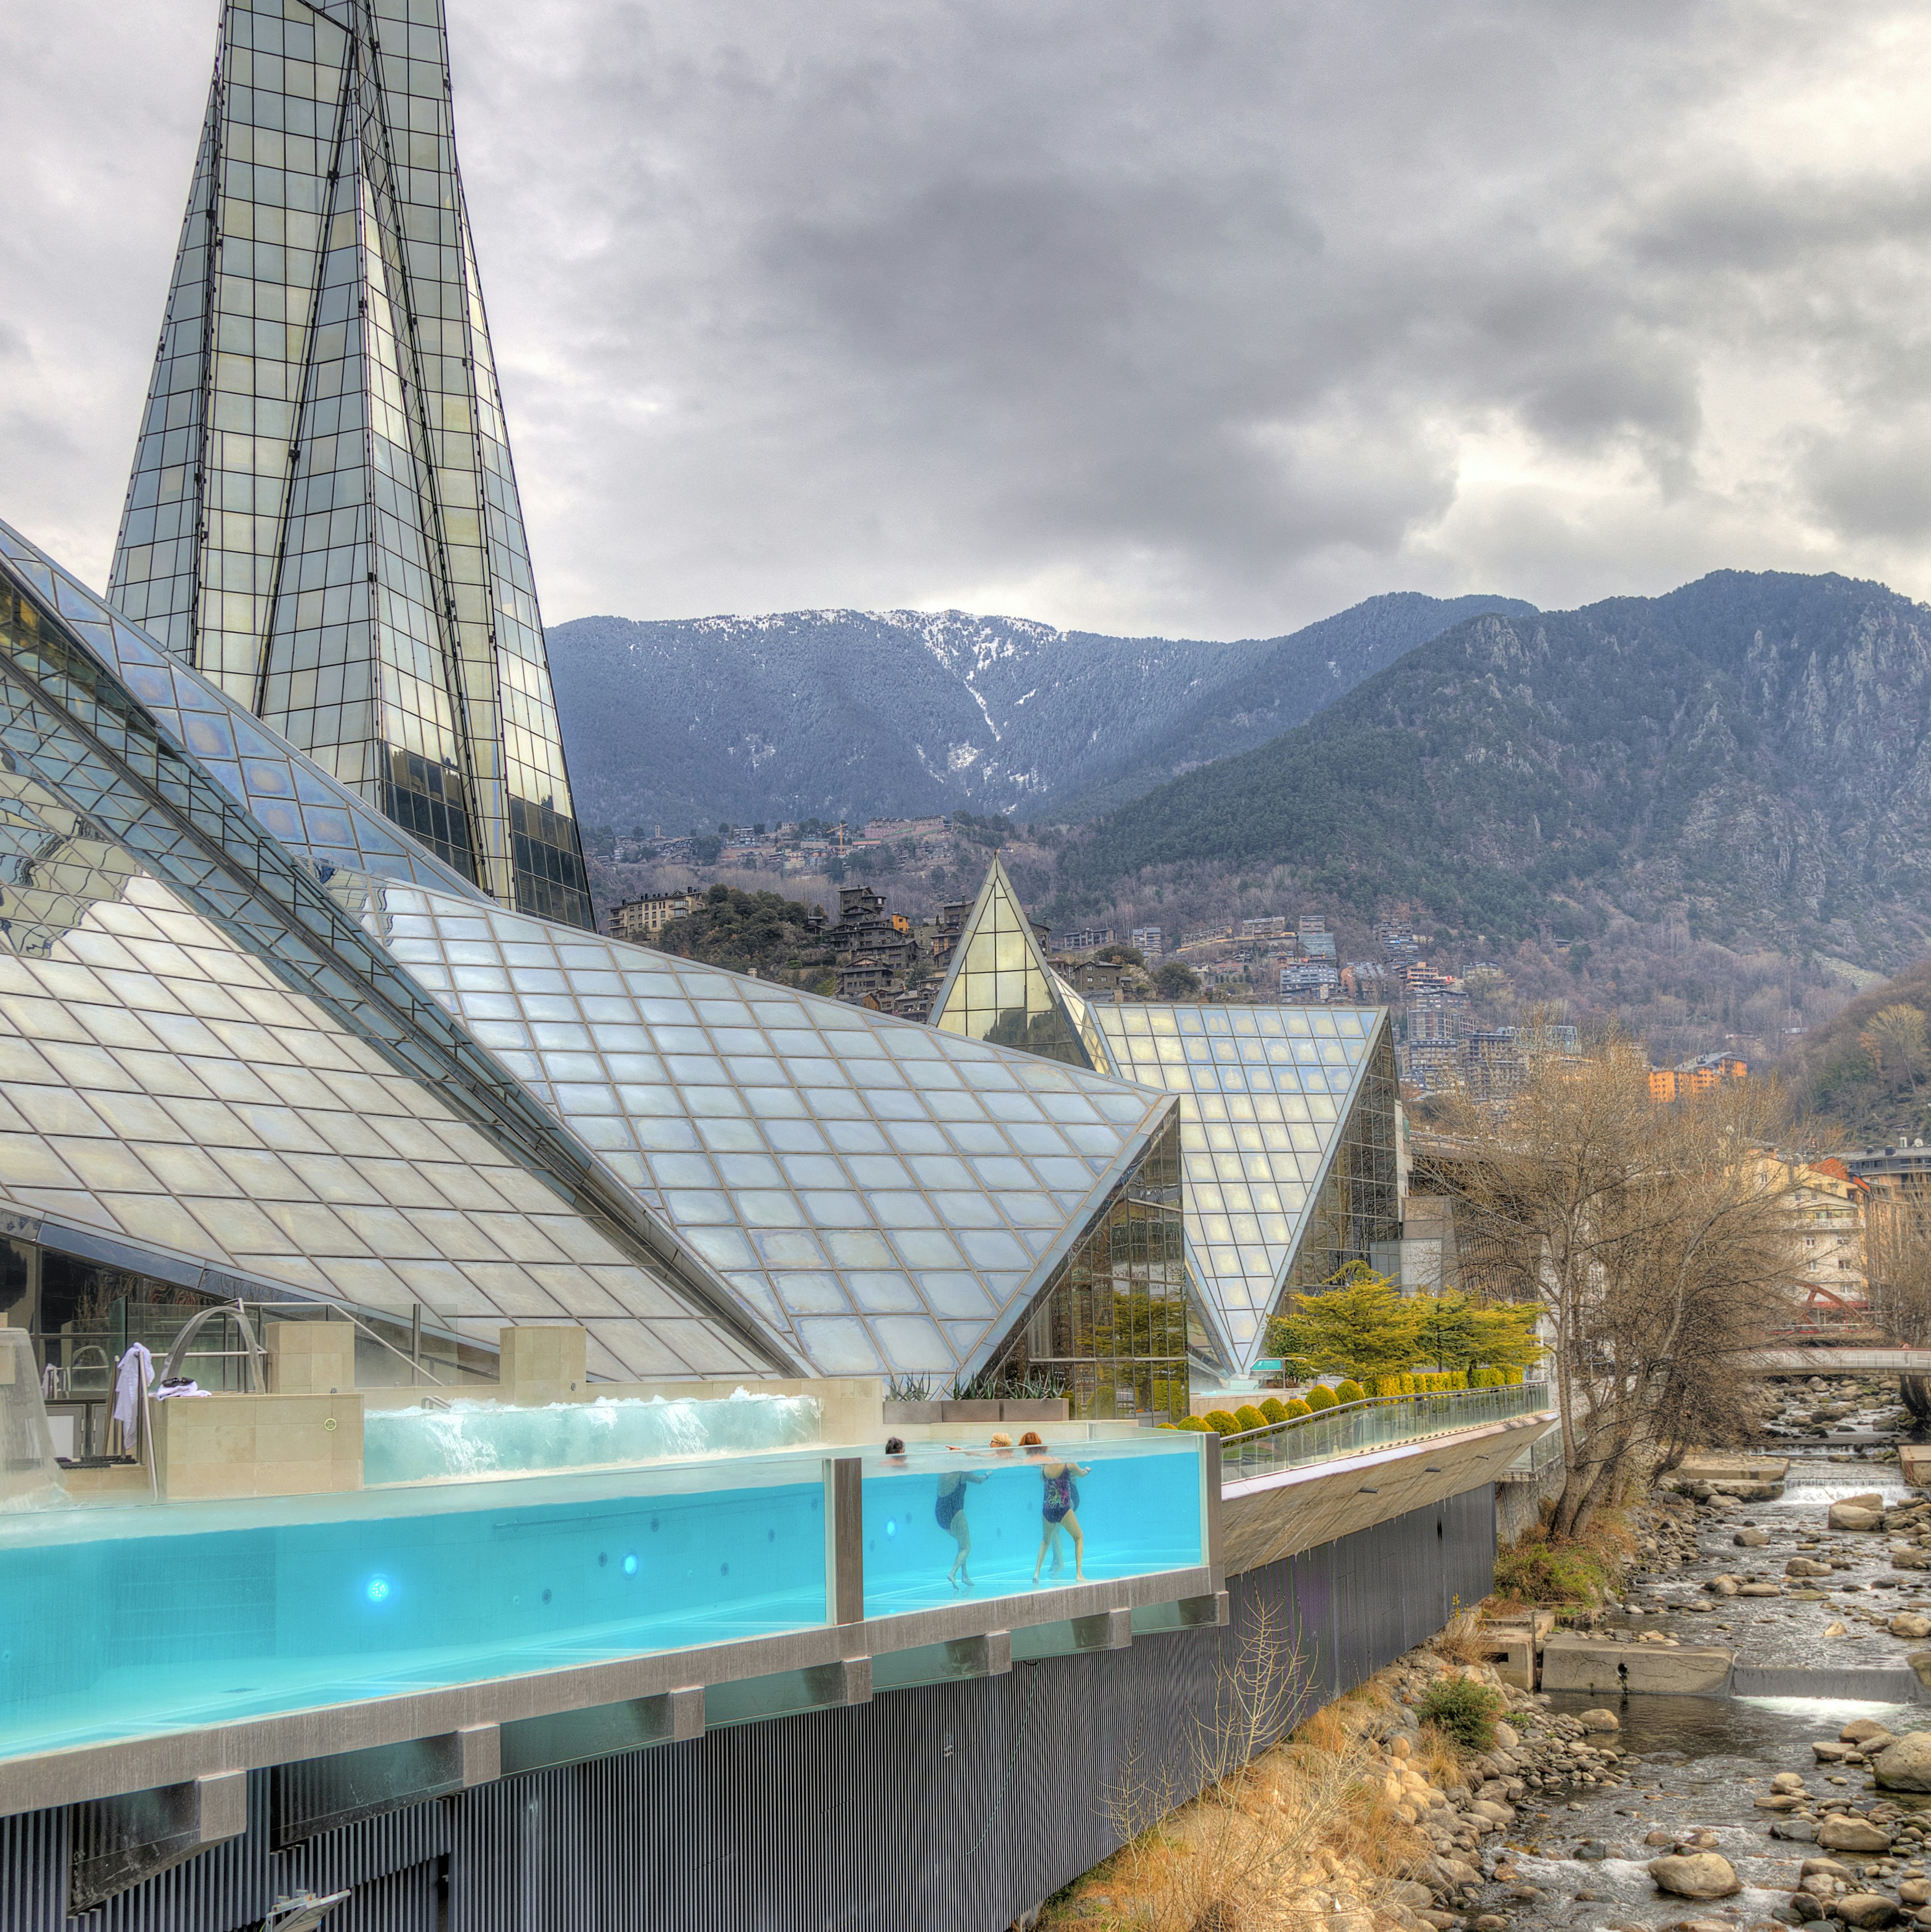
(323, 518)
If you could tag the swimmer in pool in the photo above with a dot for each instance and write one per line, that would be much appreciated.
(1058, 1506)
(950, 1515)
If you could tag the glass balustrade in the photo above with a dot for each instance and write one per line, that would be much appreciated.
(1378, 1422)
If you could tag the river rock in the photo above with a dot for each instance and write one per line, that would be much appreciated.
(1660, 1837)
(1906, 1766)
(1860, 1729)
(1507, 1736)
(1830, 1753)
(1909, 1623)
(1751, 1539)
(1864, 1908)
(1721, 1586)
(1761, 1590)
(1915, 1891)
(1826, 1867)
(1599, 1720)
(1787, 1780)
(1910, 1559)
(1802, 1566)
(1849, 1516)
(1491, 1812)
(1837, 1628)
(1695, 1875)
(1841, 1832)
(1795, 1831)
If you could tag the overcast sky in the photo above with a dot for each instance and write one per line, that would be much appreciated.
(1204, 317)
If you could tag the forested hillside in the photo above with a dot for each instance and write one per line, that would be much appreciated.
(1750, 754)
(847, 714)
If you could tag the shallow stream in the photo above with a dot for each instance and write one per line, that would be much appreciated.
(1700, 1763)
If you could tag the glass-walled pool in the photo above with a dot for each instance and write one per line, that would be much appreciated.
(119, 1622)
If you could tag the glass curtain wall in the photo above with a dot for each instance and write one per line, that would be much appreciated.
(1359, 1203)
(1110, 1330)
(323, 516)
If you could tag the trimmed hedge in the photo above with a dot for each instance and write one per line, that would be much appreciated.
(1218, 1420)
(1293, 1407)
(1195, 1423)
(1351, 1391)
(1321, 1396)
(1274, 1409)
(1249, 1418)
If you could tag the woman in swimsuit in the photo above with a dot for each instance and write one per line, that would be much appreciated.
(1057, 1508)
(951, 1517)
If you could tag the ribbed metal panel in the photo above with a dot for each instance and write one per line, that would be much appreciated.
(951, 1808)
(409, 1900)
(33, 1871)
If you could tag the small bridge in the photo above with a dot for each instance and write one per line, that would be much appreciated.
(1841, 1358)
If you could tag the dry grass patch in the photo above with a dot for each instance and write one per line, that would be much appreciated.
(1282, 1836)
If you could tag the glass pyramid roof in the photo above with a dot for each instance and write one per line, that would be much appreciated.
(999, 988)
(202, 1055)
(886, 1196)
(1265, 1094)
(496, 1116)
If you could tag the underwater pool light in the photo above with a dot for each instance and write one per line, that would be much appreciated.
(630, 1566)
(377, 1589)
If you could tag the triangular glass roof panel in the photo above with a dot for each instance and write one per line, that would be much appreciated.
(999, 988)
(1269, 1097)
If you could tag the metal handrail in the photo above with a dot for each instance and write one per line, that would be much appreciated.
(1376, 1402)
(1374, 1422)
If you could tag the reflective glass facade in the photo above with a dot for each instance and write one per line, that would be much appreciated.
(1001, 989)
(323, 517)
(1112, 1327)
(1287, 1143)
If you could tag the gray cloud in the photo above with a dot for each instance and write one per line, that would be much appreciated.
(1198, 315)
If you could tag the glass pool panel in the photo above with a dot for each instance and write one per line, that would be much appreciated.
(1139, 1508)
(129, 1622)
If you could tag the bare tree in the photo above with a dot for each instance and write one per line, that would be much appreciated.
(1658, 1239)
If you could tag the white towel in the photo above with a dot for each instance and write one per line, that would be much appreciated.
(49, 1382)
(137, 1371)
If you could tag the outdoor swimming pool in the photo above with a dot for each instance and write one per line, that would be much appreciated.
(126, 1621)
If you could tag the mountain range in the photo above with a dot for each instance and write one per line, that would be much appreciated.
(854, 714)
(1750, 754)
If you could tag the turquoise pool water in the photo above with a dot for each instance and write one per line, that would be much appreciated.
(123, 1622)
(1139, 1510)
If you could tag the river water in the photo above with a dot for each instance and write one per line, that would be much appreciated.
(1700, 1763)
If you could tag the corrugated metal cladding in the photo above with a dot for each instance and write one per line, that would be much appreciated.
(949, 1809)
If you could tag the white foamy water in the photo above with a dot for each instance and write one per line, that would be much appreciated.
(468, 1439)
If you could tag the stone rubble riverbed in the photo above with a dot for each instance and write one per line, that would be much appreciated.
(1672, 1814)
(1790, 1801)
